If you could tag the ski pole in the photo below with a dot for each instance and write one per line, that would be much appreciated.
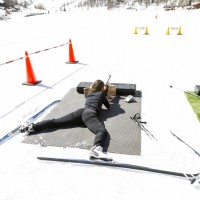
(142, 127)
(138, 116)
(190, 93)
(185, 143)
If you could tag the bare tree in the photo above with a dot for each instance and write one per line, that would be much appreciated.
(110, 4)
(10, 3)
(190, 3)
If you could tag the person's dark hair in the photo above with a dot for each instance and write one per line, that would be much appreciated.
(97, 85)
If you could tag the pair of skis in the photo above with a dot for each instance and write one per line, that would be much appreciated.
(191, 177)
(30, 120)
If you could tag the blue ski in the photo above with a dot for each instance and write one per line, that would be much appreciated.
(30, 120)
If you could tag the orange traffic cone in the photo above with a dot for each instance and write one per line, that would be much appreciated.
(31, 80)
(71, 54)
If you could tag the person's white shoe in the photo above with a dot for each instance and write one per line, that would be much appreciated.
(28, 129)
(98, 154)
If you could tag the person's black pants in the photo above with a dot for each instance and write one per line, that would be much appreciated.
(81, 116)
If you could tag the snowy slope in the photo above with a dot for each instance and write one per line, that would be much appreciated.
(104, 44)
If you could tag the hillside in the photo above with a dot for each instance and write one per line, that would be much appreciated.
(66, 5)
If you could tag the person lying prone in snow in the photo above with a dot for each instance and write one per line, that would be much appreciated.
(89, 116)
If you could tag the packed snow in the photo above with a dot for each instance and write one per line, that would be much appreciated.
(104, 43)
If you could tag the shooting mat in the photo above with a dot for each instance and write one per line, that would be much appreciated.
(125, 135)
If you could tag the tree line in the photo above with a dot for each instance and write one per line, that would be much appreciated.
(7, 4)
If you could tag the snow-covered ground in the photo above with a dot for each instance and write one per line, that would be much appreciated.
(104, 43)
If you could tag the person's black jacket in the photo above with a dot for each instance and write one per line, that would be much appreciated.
(94, 101)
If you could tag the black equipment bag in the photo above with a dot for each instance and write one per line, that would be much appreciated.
(122, 88)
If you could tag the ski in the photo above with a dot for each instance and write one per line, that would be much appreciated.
(30, 120)
(191, 177)
(184, 143)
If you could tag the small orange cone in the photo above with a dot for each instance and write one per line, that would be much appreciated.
(71, 54)
(31, 80)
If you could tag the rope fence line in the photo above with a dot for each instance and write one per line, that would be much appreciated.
(10, 61)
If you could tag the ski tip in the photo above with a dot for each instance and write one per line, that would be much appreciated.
(192, 180)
